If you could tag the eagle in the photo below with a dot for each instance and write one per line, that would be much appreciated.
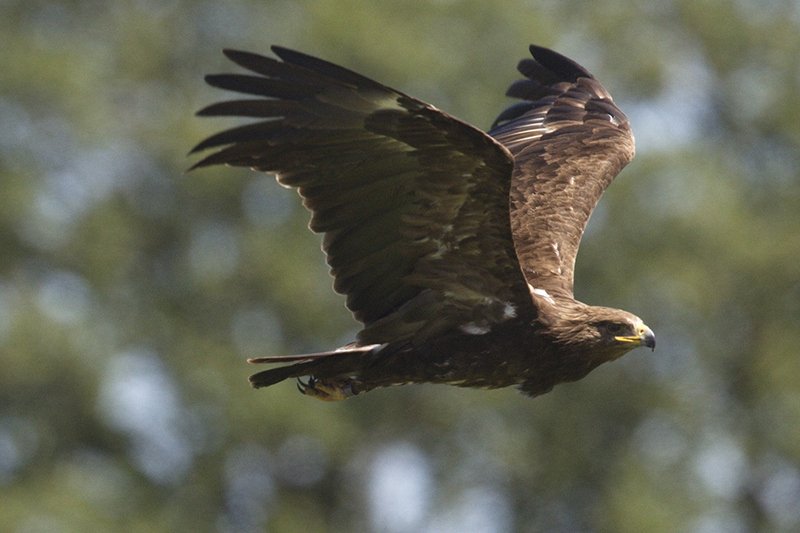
(455, 247)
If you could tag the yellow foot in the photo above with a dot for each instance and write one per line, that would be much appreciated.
(329, 390)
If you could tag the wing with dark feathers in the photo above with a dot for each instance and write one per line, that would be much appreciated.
(569, 141)
(413, 203)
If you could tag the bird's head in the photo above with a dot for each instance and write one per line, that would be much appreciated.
(602, 331)
(616, 332)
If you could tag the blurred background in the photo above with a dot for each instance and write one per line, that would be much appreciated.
(131, 292)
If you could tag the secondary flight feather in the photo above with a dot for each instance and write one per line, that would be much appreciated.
(455, 247)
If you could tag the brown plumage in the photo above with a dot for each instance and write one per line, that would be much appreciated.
(456, 248)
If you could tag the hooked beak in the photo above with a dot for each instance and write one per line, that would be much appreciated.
(644, 337)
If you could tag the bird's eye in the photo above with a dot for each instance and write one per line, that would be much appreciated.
(614, 328)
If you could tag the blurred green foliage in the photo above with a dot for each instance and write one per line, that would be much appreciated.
(131, 292)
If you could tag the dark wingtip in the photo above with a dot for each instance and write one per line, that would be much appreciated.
(212, 79)
(200, 164)
(283, 52)
(232, 53)
(536, 49)
(558, 63)
(208, 111)
(288, 55)
(197, 148)
(242, 57)
(544, 55)
(250, 60)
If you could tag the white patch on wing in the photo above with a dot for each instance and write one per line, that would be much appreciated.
(509, 311)
(359, 348)
(471, 328)
(442, 247)
(554, 246)
(556, 250)
(541, 293)
(380, 101)
(544, 294)
(440, 250)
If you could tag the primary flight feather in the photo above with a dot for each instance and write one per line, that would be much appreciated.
(455, 247)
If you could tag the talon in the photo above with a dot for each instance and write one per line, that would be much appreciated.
(327, 390)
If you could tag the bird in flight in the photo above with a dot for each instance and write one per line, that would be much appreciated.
(455, 247)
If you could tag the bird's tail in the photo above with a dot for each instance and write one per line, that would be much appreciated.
(320, 363)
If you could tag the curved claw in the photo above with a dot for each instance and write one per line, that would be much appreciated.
(302, 387)
(327, 390)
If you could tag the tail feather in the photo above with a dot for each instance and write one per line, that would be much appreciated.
(275, 359)
(265, 378)
(304, 364)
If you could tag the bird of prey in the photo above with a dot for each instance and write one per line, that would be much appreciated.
(455, 247)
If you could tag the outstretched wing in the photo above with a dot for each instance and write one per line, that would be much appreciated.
(569, 141)
(413, 203)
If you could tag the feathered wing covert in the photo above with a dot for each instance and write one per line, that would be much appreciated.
(413, 203)
(569, 140)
